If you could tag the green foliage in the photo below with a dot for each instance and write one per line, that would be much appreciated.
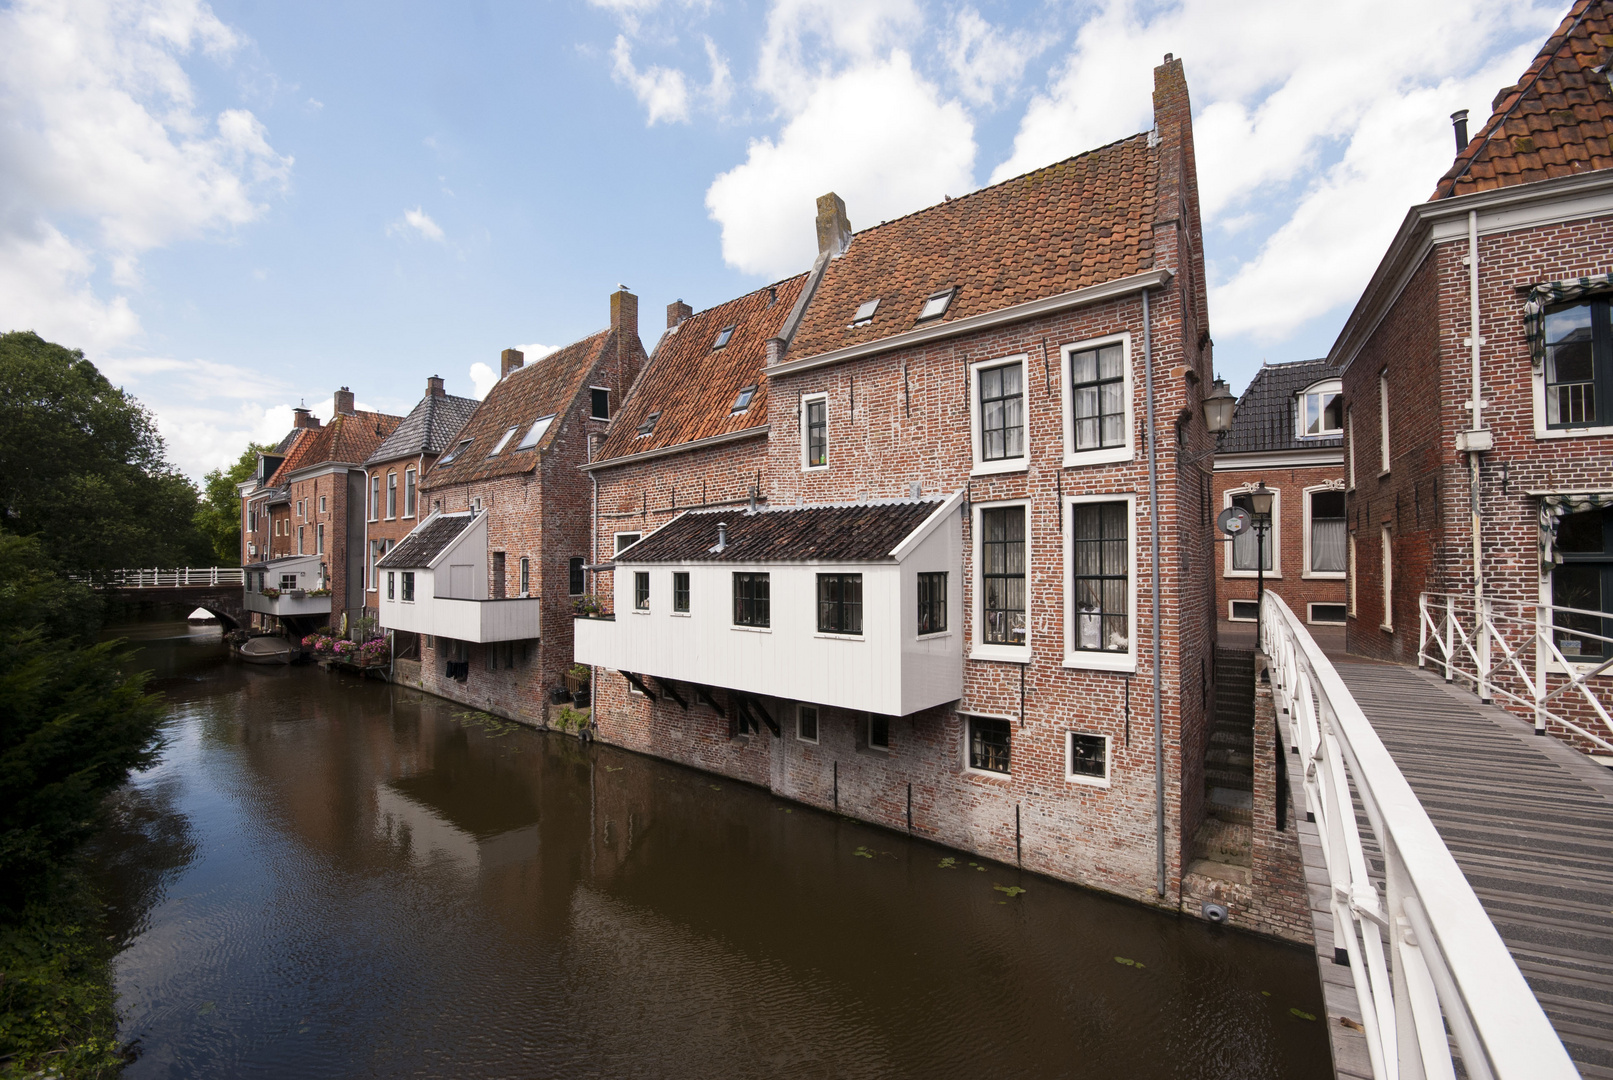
(218, 517)
(31, 595)
(83, 468)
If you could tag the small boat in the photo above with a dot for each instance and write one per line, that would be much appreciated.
(266, 650)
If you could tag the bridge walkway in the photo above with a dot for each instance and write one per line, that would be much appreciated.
(1530, 823)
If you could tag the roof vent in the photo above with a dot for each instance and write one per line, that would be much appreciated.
(1459, 121)
(722, 536)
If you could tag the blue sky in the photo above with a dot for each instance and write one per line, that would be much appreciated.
(236, 207)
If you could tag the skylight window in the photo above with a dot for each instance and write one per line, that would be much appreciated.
(649, 423)
(502, 443)
(535, 432)
(455, 452)
(936, 305)
(722, 337)
(865, 314)
(742, 402)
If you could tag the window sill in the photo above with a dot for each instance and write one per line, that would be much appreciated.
(1386, 628)
(838, 637)
(1097, 661)
(680, 614)
(1573, 432)
(1323, 575)
(752, 629)
(1012, 654)
(1252, 575)
(934, 636)
(641, 611)
(1074, 459)
(1088, 781)
(988, 774)
(814, 468)
(997, 468)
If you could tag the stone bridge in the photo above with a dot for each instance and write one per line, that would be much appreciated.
(215, 589)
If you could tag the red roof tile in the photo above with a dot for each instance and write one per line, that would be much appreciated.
(349, 437)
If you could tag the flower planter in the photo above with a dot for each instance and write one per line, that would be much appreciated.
(580, 698)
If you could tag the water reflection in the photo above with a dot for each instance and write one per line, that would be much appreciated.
(339, 878)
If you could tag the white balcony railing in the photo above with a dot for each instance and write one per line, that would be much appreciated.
(1509, 649)
(181, 577)
(1423, 953)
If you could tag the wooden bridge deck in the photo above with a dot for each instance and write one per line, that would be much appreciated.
(1529, 821)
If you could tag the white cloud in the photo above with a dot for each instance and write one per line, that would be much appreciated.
(807, 41)
(720, 90)
(483, 379)
(418, 220)
(663, 92)
(985, 60)
(536, 352)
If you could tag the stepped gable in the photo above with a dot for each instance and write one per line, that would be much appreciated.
(1079, 222)
(545, 387)
(426, 542)
(1555, 121)
(1267, 411)
(349, 438)
(694, 385)
(844, 532)
(428, 429)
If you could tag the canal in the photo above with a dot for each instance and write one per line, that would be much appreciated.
(330, 877)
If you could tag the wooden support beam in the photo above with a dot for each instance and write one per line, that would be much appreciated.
(761, 711)
(636, 681)
(672, 692)
(705, 695)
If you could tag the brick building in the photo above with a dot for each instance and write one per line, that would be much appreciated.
(1480, 457)
(1288, 434)
(488, 577)
(941, 614)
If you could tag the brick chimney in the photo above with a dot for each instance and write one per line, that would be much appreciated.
(624, 327)
(676, 312)
(434, 386)
(510, 360)
(302, 418)
(834, 231)
(344, 402)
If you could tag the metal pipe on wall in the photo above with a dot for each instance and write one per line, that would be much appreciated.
(1476, 404)
(1153, 552)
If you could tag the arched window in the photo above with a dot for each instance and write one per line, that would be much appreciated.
(408, 493)
(1321, 411)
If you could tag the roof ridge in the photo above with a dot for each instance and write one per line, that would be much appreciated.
(744, 296)
(843, 505)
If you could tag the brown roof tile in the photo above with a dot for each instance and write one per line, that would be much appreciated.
(860, 532)
(694, 385)
(349, 437)
(1079, 222)
(1561, 101)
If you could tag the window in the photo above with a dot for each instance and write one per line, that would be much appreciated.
(375, 497)
(408, 492)
(742, 402)
(806, 723)
(1254, 543)
(680, 591)
(1326, 614)
(932, 603)
(1579, 368)
(319, 539)
(752, 606)
(1349, 424)
(865, 312)
(300, 529)
(1098, 398)
(1087, 758)
(599, 402)
(936, 305)
(288, 582)
(1000, 413)
(1388, 552)
(1002, 575)
(1383, 420)
(879, 732)
(723, 337)
(391, 585)
(535, 433)
(840, 603)
(641, 591)
(377, 549)
(989, 743)
(649, 423)
(476, 505)
(1243, 610)
(1583, 581)
(391, 495)
(1100, 545)
(526, 576)
(1321, 411)
(408, 586)
(815, 432)
(626, 540)
(503, 441)
(1353, 574)
(575, 584)
(323, 504)
(464, 444)
(1326, 531)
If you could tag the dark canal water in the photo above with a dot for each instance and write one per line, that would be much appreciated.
(328, 877)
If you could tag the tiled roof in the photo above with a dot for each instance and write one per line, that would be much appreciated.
(349, 438)
(1083, 221)
(858, 532)
(1555, 121)
(426, 542)
(428, 427)
(545, 387)
(693, 385)
(1267, 410)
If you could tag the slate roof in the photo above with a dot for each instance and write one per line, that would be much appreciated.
(1082, 221)
(426, 542)
(856, 532)
(1267, 411)
(349, 438)
(545, 387)
(1555, 121)
(428, 427)
(693, 385)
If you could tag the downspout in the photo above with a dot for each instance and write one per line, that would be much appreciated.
(1477, 403)
(1153, 551)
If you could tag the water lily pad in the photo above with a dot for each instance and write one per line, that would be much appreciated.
(1129, 962)
(1011, 890)
(209, 1007)
(947, 863)
(613, 768)
(863, 853)
(1301, 1013)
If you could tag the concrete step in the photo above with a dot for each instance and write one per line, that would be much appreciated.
(1206, 868)
(1222, 757)
(1229, 780)
(1233, 740)
(1232, 805)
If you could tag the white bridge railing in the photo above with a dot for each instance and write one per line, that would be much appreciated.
(1508, 649)
(1423, 953)
(177, 578)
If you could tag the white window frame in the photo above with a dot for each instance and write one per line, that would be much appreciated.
(1538, 392)
(1087, 659)
(1352, 578)
(1073, 457)
(1305, 570)
(322, 505)
(300, 529)
(817, 724)
(1349, 439)
(982, 467)
(375, 496)
(964, 747)
(828, 444)
(616, 539)
(1274, 538)
(1386, 539)
(978, 649)
(1310, 612)
(1384, 457)
(1108, 760)
(411, 491)
(1232, 615)
(319, 539)
(392, 495)
(1326, 386)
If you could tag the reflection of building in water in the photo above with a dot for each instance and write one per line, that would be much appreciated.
(425, 835)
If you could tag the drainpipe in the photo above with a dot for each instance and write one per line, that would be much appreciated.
(1477, 441)
(1153, 551)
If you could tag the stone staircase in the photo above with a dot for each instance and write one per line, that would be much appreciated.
(1222, 848)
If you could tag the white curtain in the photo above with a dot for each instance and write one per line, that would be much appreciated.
(1328, 542)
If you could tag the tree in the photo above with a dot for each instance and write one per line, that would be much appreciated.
(219, 516)
(83, 468)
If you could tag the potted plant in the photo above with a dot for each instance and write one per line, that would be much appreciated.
(318, 592)
(587, 604)
(577, 677)
(270, 591)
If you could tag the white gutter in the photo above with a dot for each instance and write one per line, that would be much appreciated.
(1153, 549)
(1092, 294)
(678, 448)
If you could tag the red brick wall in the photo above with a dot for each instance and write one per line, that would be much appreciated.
(337, 519)
(1288, 577)
(394, 529)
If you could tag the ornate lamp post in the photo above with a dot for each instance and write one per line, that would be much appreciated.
(1219, 405)
(1260, 502)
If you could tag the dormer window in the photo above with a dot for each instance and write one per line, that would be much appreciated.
(722, 337)
(936, 305)
(455, 452)
(742, 402)
(502, 443)
(1321, 411)
(649, 423)
(865, 313)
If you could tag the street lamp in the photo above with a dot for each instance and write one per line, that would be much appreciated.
(1219, 405)
(1260, 502)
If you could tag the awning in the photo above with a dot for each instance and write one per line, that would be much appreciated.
(1556, 506)
(1549, 294)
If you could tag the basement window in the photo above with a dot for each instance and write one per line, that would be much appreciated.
(1328, 614)
(1243, 610)
(723, 336)
(865, 313)
(990, 740)
(454, 453)
(1088, 758)
(936, 305)
(742, 402)
(879, 731)
(649, 423)
(536, 432)
(501, 444)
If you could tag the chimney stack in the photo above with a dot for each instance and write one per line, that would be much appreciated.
(509, 360)
(302, 418)
(834, 231)
(344, 402)
(676, 312)
(624, 327)
(434, 387)
(1459, 119)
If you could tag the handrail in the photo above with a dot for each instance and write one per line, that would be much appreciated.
(180, 577)
(1462, 640)
(1443, 960)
